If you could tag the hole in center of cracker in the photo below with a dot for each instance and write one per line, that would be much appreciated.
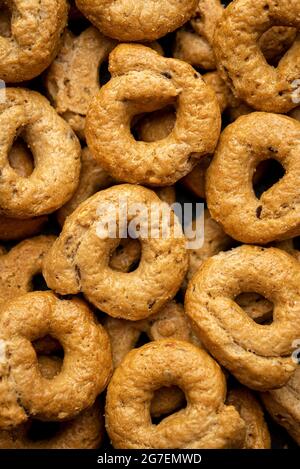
(127, 255)
(20, 158)
(50, 356)
(258, 308)
(154, 126)
(266, 175)
(166, 401)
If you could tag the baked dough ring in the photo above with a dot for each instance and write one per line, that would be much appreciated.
(141, 21)
(241, 62)
(33, 39)
(194, 41)
(229, 189)
(79, 259)
(54, 146)
(205, 423)
(258, 356)
(20, 265)
(143, 81)
(86, 369)
(86, 431)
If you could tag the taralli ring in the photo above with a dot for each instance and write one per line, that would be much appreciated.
(258, 356)
(56, 152)
(86, 369)
(139, 22)
(194, 41)
(231, 199)
(241, 62)
(85, 431)
(79, 259)
(143, 81)
(19, 266)
(205, 423)
(31, 37)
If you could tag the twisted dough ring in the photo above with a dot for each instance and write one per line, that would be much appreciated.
(55, 149)
(194, 42)
(20, 265)
(284, 405)
(142, 21)
(32, 40)
(232, 201)
(79, 259)
(205, 423)
(242, 63)
(86, 367)
(143, 81)
(170, 322)
(259, 356)
(85, 431)
(14, 228)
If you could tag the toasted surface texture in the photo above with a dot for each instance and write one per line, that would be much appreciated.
(205, 422)
(259, 356)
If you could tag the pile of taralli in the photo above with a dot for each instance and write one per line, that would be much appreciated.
(147, 341)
